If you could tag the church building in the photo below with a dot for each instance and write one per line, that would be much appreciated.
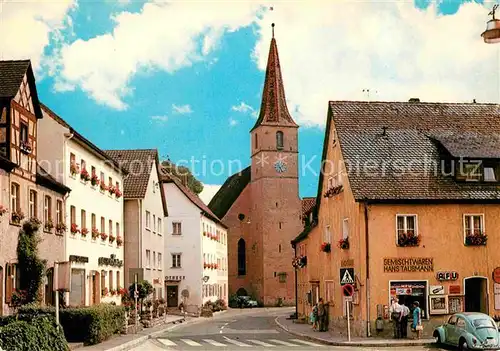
(260, 204)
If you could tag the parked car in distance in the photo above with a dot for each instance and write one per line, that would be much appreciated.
(469, 331)
(247, 302)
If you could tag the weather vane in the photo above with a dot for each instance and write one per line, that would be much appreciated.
(492, 12)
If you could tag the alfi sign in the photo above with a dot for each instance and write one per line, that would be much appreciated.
(446, 275)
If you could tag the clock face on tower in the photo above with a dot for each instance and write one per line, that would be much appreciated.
(280, 166)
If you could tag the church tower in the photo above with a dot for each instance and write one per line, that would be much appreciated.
(274, 182)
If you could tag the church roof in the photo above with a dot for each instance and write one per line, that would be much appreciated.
(229, 192)
(308, 204)
(273, 109)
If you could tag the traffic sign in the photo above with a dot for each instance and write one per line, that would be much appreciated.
(348, 298)
(348, 290)
(346, 276)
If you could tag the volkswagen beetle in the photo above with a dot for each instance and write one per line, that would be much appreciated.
(469, 331)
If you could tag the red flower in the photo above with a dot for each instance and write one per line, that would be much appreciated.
(85, 231)
(84, 175)
(119, 241)
(94, 180)
(118, 193)
(104, 236)
(74, 228)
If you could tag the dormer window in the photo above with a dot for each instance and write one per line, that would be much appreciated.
(469, 171)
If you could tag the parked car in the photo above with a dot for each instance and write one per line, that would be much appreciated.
(247, 302)
(469, 331)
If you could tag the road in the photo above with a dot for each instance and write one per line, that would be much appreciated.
(241, 329)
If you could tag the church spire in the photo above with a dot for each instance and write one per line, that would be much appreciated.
(273, 109)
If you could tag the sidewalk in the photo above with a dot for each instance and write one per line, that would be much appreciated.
(335, 339)
(125, 342)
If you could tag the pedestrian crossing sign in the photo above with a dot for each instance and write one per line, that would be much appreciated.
(346, 276)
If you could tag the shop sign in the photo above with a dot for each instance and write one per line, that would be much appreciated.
(174, 278)
(496, 275)
(347, 263)
(455, 304)
(454, 290)
(436, 290)
(410, 264)
(446, 275)
(110, 261)
(438, 304)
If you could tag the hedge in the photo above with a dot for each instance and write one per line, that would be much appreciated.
(37, 334)
(90, 325)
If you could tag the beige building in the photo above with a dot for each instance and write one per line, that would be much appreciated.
(145, 210)
(27, 190)
(408, 203)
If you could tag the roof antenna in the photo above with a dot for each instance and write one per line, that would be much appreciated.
(272, 25)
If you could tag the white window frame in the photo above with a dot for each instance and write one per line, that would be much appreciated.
(327, 235)
(174, 224)
(47, 204)
(32, 208)
(154, 260)
(148, 259)
(15, 189)
(159, 261)
(472, 215)
(405, 215)
(148, 220)
(159, 230)
(154, 223)
(345, 228)
(327, 297)
(59, 212)
(176, 260)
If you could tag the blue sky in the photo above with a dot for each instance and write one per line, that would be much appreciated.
(188, 105)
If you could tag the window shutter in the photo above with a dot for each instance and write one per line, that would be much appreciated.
(9, 277)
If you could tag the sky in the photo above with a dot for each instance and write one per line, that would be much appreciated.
(186, 77)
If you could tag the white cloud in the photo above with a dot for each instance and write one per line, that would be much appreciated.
(242, 107)
(209, 190)
(29, 25)
(184, 109)
(165, 36)
(160, 118)
(328, 52)
(232, 122)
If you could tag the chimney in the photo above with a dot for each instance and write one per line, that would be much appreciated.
(473, 101)
(414, 100)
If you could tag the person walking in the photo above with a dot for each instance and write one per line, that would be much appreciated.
(395, 311)
(417, 319)
(405, 313)
(321, 315)
(314, 317)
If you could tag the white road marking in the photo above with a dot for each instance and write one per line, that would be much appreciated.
(167, 342)
(261, 343)
(306, 342)
(214, 343)
(190, 342)
(237, 343)
(283, 343)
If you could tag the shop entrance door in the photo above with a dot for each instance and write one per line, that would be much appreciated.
(476, 294)
(172, 295)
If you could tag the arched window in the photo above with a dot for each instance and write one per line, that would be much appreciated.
(279, 140)
(242, 260)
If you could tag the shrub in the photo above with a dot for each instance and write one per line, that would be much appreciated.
(36, 334)
(220, 305)
(90, 325)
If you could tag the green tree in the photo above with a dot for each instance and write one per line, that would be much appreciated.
(182, 171)
(32, 268)
(144, 288)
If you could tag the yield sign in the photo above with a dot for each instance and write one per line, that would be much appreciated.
(346, 276)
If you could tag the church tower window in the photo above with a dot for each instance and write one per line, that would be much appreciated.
(242, 266)
(279, 140)
(256, 141)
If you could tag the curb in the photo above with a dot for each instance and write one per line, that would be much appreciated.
(349, 343)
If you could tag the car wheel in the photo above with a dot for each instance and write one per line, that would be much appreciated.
(438, 339)
(462, 345)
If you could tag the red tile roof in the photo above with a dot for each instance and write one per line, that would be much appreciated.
(308, 204)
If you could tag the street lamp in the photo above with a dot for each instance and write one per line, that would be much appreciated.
(492, 33)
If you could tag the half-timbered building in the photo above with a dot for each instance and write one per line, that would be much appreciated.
(27, 190)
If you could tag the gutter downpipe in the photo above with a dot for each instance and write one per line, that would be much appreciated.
(68, 136)
(139, 203)
(296, 285)
(367, 283)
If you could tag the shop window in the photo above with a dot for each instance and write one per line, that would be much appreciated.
(408, 292)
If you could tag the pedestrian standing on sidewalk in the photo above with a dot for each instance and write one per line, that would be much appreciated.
(395, 311)
(321, 315)
(417, 319)
(405, 313)
(314, 317)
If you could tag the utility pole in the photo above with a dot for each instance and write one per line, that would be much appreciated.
(136, 296)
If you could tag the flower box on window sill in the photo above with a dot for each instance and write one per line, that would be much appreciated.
(111, 238)
(299, 262)
(48, 226)
(25, 147)
(74, 229)
(104, 236)
(334, 191)
(326, 247)
(16, 217)
(408, 239)
(343, 244)
(476, 239)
